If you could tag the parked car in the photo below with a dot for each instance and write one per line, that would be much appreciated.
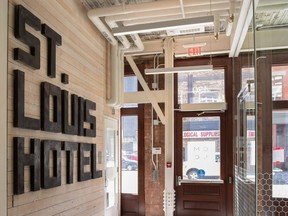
(131, 156)
(128, 164)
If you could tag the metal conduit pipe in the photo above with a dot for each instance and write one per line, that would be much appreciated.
(107, 34)
(120, 79)
(216, 26)
(114, 77)
(182, 8)
(103, 29)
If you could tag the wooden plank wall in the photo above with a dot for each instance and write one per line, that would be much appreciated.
(83, 56)
(3, 107)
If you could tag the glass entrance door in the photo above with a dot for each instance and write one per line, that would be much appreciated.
(129, 168)
(112, 167)
(132, 162)
(200, 170)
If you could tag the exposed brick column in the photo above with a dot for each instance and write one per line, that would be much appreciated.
(153, 189)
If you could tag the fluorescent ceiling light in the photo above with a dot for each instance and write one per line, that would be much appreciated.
(179, 69)
(165, 25)
(194, 45)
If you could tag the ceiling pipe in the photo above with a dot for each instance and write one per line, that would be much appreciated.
(116, 66)
(139, 46)
(102, 28)
(182, 8)
(114, 77)
(216, 26)
(190, 11)
(123, 39)
(229, 25)
(230, 20)
(107, 33)
(135, 37)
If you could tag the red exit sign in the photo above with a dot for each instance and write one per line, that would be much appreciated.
(194, 51)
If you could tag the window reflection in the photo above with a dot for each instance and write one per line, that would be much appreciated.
(129, 154)
(201, 148)
(280, 153)
(201, 87)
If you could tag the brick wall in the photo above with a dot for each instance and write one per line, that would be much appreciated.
(153, 187)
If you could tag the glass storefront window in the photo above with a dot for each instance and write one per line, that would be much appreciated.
(247, 79)
(247, 74)
(250, 151)
(129, 154)
(279, 82)
(280, 153)
(110, 148)
(201, 87)
(130, 85)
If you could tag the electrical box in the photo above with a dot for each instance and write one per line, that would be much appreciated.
(156, 150)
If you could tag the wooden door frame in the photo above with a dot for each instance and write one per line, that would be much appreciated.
(230, 93)
(139, 111)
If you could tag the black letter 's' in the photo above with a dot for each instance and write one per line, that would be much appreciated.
(23, 17)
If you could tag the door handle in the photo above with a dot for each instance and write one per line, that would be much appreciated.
(178, 180)
(230, 180)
